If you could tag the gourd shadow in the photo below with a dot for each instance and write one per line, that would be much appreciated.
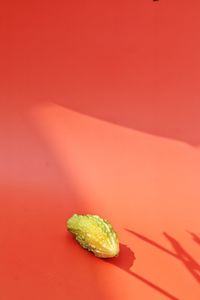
(125, 261)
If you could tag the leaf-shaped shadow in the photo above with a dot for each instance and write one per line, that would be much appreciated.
(196, 238)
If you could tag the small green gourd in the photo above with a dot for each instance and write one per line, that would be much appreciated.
(94, 234)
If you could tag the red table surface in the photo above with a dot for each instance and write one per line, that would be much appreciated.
(100, 113)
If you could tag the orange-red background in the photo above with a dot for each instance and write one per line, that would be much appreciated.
(100, 105)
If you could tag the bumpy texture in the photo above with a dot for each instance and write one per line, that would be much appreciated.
(94, 234)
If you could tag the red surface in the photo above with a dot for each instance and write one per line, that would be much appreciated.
(100, 114)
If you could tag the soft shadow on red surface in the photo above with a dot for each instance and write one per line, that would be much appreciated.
(125, 261)
(36, 260)
(180, 253)
(151, 116)
(37, 195)
(128, 65)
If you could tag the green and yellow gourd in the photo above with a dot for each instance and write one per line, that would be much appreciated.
(94, 234)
